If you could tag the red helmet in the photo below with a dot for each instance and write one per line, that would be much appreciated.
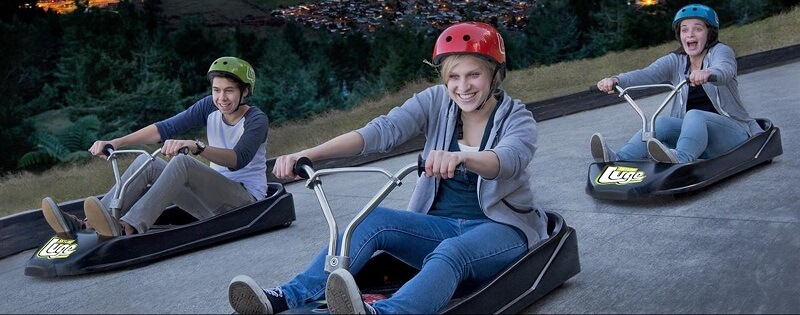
(470, 37)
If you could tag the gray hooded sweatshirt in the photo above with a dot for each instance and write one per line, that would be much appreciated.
(508, 198)
(724, 93)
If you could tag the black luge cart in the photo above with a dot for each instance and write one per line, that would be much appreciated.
(174, 232)
(630, 180)
(542, 269)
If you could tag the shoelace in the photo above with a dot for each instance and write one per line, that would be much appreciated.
(370, 309)
(276, 292)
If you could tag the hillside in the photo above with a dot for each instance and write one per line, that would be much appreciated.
(222, 13)
(24, 190)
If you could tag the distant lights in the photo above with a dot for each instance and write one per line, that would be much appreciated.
(646, 2)
(437, 13)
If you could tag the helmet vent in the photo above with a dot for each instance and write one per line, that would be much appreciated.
(476, 38)
(225, 63)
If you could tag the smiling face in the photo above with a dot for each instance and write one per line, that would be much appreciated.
(226, 94)
(693, 36)
(468, 80)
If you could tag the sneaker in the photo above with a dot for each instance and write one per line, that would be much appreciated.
(58, 220)
(100, 218)
(343, 295)
(246, 297)
(661, 153)
(600, 151)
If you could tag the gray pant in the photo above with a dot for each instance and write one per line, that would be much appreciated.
(185, 182)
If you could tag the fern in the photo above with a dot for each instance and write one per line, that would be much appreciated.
(34, 158)
(50, 144)
(81, 134)
(68, 146)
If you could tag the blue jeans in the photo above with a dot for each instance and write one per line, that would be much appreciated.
(698, 134)
(447, 251)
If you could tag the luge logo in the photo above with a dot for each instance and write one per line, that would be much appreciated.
(57, 248)
(620, 175)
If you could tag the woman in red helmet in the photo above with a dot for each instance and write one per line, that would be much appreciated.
(458, 228)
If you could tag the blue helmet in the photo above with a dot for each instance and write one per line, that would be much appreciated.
(696, 11)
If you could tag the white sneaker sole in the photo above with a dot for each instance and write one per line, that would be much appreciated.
(100, 219)
(598, 148)
(246, 297)
(342, 294)
(52, 214)
(659, 152)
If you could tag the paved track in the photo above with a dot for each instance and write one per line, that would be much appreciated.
(729, 248)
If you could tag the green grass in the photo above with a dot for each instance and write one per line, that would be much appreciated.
(25, 191)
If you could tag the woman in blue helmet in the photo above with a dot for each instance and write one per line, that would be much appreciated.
(707, 119)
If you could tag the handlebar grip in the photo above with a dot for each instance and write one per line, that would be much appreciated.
(299, 169)
(108, 149)
(184, 150)
(420, 165)
(461, 169)
(711, 78)
(593, 88)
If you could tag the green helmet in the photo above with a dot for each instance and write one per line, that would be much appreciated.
(237, 67)
(696, 11)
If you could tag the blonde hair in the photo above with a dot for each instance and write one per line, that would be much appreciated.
(451, 61)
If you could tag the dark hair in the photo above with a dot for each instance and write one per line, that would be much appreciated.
(239, 83)
(713, 38)
(221, 74)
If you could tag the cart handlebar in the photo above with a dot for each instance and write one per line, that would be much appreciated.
(108, 149)
(461, 169)
(711, 78)
(648, 130)
(304, 168)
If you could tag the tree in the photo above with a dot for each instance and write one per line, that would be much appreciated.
(647, 26)
(68, 145)
(608, 30)
(554, 32)
(517, 51)
(284, 90)
(349, 55)
(25, 68)
(397, 57)
(746, 11)
(194, 47)
(23, 10)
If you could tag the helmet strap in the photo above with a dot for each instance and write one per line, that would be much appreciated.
(459, 125)
(493, 87)
(241, 98)
(239, 103)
